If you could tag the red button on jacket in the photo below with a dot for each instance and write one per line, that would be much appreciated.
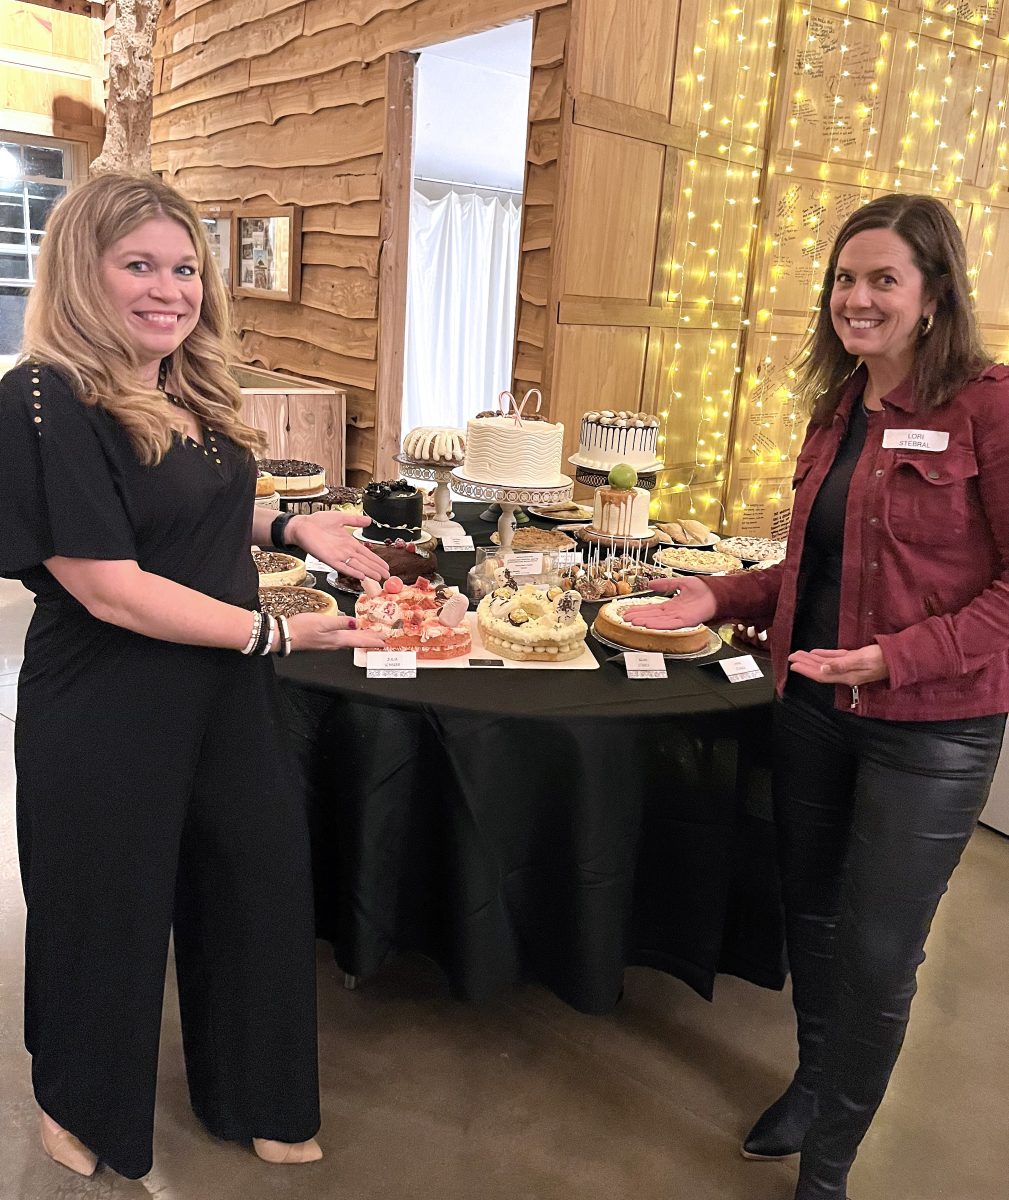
(925, 570)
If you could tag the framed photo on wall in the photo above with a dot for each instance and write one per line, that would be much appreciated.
(219, 224)
(268, 253)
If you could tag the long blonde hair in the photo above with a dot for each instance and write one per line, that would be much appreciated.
(70, 324)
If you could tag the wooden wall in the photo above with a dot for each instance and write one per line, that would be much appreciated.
(51, 72)
(288, 99)
(707, 157)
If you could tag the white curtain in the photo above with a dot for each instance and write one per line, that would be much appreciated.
(461, 293)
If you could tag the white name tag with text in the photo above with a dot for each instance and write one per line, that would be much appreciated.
(738, 670)
(392, 664)
(645, 664)
(915, 439)
(457, 541)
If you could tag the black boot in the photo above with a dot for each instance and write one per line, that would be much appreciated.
(779, 1131)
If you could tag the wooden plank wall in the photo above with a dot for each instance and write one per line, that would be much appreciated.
(51, 74)
(707, 157)
(286, 99)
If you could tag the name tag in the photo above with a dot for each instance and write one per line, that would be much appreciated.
(738, 670)
(645, 664)
(915, 439)
(459, 541)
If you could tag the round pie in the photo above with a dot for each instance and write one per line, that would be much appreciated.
(292, 601)
(705, 562)
(278, 570)
(753, 549)
(536, 539)
(611, 624)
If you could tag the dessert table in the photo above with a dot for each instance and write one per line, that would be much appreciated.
(550, 825)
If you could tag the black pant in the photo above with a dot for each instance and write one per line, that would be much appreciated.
(154, 793)
(872, 818)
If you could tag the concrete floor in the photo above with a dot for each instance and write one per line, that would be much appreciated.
(524, 1099)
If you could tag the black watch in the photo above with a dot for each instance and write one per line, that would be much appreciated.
(278, 530)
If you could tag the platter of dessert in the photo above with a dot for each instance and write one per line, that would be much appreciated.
(693, 534)
(687, 560)
(424, 539)
(568, 511)
(293, 600)
(352, 587)
(408, 561)
(281, 570)
(754, 549)
(712, 645)
(529, 539)
(749, 638)
(599, 580)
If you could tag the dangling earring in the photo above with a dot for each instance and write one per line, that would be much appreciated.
(926, 326)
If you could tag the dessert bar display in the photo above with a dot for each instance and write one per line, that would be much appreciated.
(754, 549)
(611, 624)
(606, 438)
(435, 444)
(278, 570)
(430, 621)
(514, 448)
(294, 477)
(396, 509)
(532, 624)
(406, 560)
(292, 601)
(703, 562)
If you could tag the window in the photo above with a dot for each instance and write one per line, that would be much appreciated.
(35, 172)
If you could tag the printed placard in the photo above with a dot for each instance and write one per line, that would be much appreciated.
(645, 664)
(392, 664)
(740, 669)
(316, 564)
(567, 558)
(525, 563)
(915, 439)
(457, 541)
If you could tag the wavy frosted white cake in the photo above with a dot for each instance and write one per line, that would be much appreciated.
(499, 451)
(620, 512)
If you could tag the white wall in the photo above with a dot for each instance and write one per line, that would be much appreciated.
(471, 103)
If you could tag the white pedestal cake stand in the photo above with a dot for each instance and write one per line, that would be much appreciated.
(510, 498)
(441, 473)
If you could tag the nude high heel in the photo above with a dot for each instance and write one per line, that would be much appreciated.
(64, 1148)
(287, 1153)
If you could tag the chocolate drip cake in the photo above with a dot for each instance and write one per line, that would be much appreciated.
(396, 509)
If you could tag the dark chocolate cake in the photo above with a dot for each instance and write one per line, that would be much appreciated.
(396, 509)
(404, 559)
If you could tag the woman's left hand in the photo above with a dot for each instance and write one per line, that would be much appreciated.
(850, 667)
(327, 535)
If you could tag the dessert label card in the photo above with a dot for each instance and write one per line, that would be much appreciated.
(457, 541)
(567, 558)
(738, 670)
(316, 564)
(392, 664)
(523, 564)
(645, 664)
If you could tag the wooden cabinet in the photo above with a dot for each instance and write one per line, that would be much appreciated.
(301, 419)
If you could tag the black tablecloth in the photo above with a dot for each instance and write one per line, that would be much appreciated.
(556, 825)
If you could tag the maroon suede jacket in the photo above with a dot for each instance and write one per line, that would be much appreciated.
(925, 570)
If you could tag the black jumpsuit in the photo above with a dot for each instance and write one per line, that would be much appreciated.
(152, 795)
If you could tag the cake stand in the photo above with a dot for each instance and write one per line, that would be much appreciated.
(510, 498)
(441, 473)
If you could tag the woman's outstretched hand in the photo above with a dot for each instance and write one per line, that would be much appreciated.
(691, 602)
(850, 667)
(328, 536)
(329, 631)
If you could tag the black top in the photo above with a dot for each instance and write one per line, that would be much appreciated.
(819, 607)
(71, 485)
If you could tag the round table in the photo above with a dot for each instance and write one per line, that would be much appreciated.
(556, 825)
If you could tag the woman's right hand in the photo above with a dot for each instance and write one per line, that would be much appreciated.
(329, 631)
(691, 602)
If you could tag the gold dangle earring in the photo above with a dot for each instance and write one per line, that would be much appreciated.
(926, 325)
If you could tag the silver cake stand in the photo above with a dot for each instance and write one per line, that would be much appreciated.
(441, 473)
(510, 498)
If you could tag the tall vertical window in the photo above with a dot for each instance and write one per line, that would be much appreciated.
(34, 174)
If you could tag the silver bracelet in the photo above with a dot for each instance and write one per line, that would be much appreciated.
(257, 621)
(286, 645)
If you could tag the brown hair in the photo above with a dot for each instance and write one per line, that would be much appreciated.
(949, 355)
(70, 324)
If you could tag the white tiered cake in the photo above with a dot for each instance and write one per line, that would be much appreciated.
(512, 451)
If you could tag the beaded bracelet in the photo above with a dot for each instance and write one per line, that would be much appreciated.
(257, 624)
(267, 641)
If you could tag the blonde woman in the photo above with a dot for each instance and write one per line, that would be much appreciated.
(153, 794)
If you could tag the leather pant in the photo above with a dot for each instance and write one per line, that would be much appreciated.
(872, 818)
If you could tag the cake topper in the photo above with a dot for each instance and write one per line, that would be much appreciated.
(509, 406)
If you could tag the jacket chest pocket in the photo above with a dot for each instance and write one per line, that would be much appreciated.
(930, 495)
